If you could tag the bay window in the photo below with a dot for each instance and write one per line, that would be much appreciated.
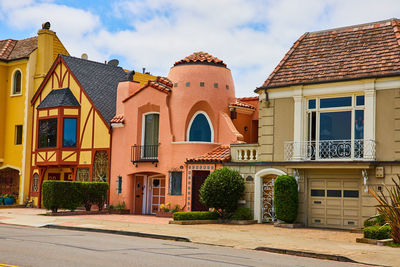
(47, 133)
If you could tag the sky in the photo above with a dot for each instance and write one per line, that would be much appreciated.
(250, 36)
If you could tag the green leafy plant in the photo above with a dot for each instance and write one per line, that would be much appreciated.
(389, 207)
(286, 199)
(176, 208)
(222, 190)
(61, 195)
(374, 220)
(242, 214)
(120, 206)
(377, 232)
(195, 215)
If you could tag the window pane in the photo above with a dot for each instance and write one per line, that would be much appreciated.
(119, 185)
(151, 130)
(350, 193)
(200, 130)
(175, 183)
(334, 193)
(18, 134)
(317, 192)
(17, 82)
(359, 124)
(360, 100)
(47, 133)
(69, 139)
(311, 104)
(335, 126)
(35, 183)
(335, 102)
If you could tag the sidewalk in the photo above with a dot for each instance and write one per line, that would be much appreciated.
(334, 242)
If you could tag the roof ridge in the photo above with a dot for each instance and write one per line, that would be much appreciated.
(283, 60)
(91, 61)
(7, 45)
(396, 29)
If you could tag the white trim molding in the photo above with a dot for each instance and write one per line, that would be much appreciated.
(258, 190)
(209, 123)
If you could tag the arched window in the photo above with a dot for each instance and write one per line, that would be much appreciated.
(35, 183)
(200, 128)
(17, 81)
(100, 167)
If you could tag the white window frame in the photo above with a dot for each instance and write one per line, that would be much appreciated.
(12, 82)
(190, 126)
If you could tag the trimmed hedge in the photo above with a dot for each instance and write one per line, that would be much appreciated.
(378, 232)
(286, 198)
(222, 190)
(195, 215)
(70, 195)
(242, 214)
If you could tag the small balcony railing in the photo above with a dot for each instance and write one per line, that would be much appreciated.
(358, 149)
(244, 152)
(146, 153)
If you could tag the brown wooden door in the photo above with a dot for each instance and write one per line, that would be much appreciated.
(198, 178)
(138, 199)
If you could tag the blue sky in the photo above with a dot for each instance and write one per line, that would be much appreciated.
(251, 36)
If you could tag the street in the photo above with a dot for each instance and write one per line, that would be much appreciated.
(26, 246)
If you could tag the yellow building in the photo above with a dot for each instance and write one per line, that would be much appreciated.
(72, 111)
(23, 65)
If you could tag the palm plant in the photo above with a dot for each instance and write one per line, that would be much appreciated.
(389, 207)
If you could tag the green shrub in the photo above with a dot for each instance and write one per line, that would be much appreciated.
(242, 214)
(195, 215)
(378, 232)
(374, 220)
(222, 190)
(93, 193)
(286, 199)
(61, 195)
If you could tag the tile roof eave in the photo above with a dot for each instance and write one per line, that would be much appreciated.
(326, 81)
(14, 59)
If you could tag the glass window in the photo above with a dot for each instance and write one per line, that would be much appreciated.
(311, 104)
(200, 129)
(335, 102)
(47, 133)
(360, 100)
(335, 125)
(350, 193)
(187, 84)
(175, 84)
(227, 87)
(18, 134)
(215, 85)
(17, 83)
(69, 134)
(317, 192)
(201, 84)
(35, 183)
(83, 175)
(151, 129)
(119, 185)
(100, 166)
(334, 193)
(175, 183)
(359, 124)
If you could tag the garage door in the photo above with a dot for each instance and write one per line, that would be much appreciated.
(334, 203)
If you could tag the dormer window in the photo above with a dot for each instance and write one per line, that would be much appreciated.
(17, 82)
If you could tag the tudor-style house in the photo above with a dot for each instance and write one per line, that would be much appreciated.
(170, 134)
(71, 133)
(23, 65)
(329, 116)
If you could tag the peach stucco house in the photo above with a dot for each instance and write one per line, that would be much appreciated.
(172, 132)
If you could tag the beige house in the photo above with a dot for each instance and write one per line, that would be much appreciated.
(329, 115)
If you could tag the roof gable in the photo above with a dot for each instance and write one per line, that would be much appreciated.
(59, 98)
(354, 52)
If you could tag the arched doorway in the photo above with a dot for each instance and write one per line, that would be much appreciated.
(9, 181)
(263, 194)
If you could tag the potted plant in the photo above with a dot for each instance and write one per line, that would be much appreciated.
(120, 208)
(9, 199)
(166, 211)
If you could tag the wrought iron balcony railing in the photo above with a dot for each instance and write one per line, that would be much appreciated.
(146, 153)
(358, 149)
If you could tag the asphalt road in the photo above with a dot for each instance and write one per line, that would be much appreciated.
(24, 246)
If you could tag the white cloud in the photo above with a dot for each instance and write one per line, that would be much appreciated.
(251, 36)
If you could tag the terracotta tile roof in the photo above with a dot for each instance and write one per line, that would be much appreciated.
(354, 52)
(219, 154)
(241, 104)
(162, 84)
(14, 49)
(201, 58)
(249, 98)
(118, 119)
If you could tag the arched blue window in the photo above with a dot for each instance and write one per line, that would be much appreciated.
(200, 129)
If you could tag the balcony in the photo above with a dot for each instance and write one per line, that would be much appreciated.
(244, 152)
(146, 153)
(333, 150)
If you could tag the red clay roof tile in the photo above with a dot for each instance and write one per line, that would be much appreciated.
(241, 104)
(354, 52)
(201, 58)
(14, 49)
(219, 154)
(118, 119)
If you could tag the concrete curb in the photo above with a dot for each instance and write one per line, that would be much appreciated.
(117, 232)
(309, 254)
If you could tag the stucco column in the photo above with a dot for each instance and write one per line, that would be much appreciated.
(298, 126)
(369, 122)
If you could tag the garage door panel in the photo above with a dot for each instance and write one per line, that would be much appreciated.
(351, 223)
(316, 211)
(317, 202)
(334, 222)
(334, 212)
(337, 184)
(351, 185)
(333, 203)
(352, 213)
(317, 221)
(349, 203)
(318, 184)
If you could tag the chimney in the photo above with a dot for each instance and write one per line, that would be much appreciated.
(45, 48)
(144, 70)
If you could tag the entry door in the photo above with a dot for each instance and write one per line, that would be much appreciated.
(138, 199)
(198, 178)
(268, 209)
(157, 191)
